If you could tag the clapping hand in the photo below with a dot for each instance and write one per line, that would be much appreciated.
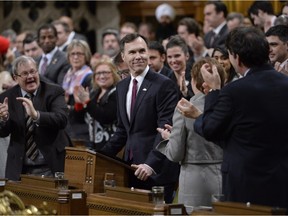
(28, 105)
(165, 133)
(4, 114)
(81, 95)
(283, 69)
(188, 109)
(211, 76)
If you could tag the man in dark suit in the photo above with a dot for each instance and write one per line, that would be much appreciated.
(249, 118)
(157, 58)
(53, 64)
(138, 119)
(215, 13)
(41, 149)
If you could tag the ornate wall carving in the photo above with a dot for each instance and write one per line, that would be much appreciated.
(90, 17)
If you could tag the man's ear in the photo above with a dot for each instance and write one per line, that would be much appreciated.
(122, 55)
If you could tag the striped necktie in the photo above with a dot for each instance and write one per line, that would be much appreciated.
(31, 148)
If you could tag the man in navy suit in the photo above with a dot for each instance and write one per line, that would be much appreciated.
(248, 118)
(136, 130)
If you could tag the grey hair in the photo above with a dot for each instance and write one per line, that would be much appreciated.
(21, 60)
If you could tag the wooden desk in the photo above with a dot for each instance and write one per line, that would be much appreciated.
(65, 202)
(124, 201)
(234, 208)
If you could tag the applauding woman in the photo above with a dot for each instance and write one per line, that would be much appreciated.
(99, 105)
(80, 73)
(200, 160)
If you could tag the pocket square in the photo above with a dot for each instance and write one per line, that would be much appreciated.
(144, 89)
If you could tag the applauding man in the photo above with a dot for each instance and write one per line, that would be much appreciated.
(35, 114)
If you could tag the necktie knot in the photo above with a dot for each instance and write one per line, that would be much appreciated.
(135, 81)
(29, 96)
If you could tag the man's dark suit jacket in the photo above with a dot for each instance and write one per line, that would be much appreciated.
(154, 107)
(219, 40)
(57, 68)
(49, 135)
(166, 71)
(250, 115)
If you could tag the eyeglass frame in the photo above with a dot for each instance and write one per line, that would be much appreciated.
(32, 72)
(105, 73)
(78, 54)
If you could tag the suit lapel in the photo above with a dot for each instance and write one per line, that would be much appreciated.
(123, 89)
(19, 108)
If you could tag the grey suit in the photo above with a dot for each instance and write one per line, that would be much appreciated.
(200, 160)
(57, 68)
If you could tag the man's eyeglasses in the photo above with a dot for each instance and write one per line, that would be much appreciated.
(105, 73)
(25, 74)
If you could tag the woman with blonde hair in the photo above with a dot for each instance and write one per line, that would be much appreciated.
(100, 104)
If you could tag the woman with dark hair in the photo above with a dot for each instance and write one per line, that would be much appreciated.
(221, 55)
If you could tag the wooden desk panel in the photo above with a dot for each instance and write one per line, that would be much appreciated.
(65, 202)
(99, 204)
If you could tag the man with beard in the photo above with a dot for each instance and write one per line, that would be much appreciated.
(110, 42)
(53, 64)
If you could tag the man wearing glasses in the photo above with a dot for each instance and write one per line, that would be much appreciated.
(35, 114)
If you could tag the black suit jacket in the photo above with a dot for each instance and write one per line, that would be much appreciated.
(250, 117)
(49, 136)
(219, 40)
(166, 71)
(154, 107)
(57, 68)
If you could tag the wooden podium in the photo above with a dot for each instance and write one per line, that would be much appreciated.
(86, 169)
(34, 190)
